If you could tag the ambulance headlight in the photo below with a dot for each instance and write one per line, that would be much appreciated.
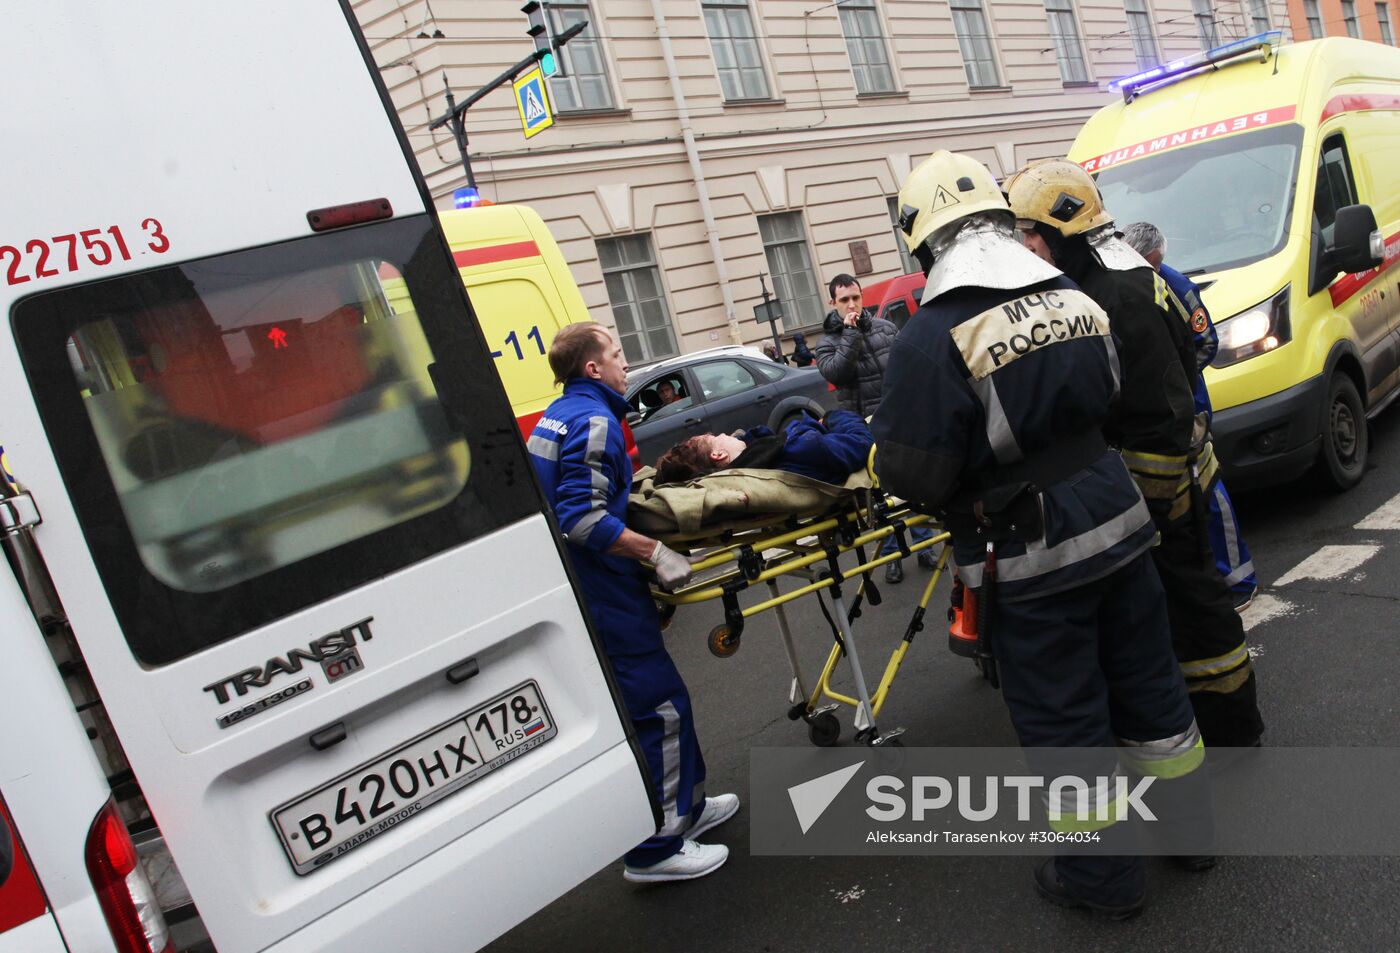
(1257, 330)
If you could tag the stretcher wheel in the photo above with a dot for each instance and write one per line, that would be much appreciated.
(667, 611)
(724, 641)
(823, 729)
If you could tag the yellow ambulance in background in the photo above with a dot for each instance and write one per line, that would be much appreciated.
(1267, 168)
(522, 292)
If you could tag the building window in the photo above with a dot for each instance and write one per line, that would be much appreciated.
(1259, 16)
(1064, 34)
(790, 266)
(1315, 30)
(1349, 18)
(1383, 21)
(975, 41)
(638, 303)
(582, 80)
(735, 43)
(1140, 30)
(865, 42)
(906, 260)
(1205, 23)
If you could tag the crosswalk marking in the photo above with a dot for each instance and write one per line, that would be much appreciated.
(1386, 517)
(1263, 608)
(1329, 562)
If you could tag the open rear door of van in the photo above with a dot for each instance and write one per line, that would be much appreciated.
(294, 528)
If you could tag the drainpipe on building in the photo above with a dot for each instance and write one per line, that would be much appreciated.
(692, 154)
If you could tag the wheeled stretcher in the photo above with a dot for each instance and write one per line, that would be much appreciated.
(810, 547)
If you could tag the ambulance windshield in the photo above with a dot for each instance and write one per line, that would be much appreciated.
(1221, 204)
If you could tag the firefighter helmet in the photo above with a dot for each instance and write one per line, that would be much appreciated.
(1057, 193)
(943, 189)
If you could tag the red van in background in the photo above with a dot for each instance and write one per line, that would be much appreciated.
(895, 299)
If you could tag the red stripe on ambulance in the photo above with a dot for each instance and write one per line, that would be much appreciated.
(1184, 137)
(1358, 102)
(492, 253)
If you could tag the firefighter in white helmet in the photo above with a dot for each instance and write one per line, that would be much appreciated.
(1165, 442)
(995, 395)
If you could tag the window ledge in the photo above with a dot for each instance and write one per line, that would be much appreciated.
(612, 113)
(895, 94)
(1086, 84)
(754, 103)
(989, 89)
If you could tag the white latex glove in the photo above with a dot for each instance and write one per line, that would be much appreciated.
(672, 569)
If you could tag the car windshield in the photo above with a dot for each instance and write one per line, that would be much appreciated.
(1221, 203)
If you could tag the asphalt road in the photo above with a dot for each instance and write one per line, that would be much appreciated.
(1328, 657)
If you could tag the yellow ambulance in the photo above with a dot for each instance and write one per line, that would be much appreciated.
(1267, 168)
(522, 292)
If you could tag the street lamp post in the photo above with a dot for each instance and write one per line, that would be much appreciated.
(772, 318)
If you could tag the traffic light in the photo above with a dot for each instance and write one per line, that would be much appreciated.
(539, 32)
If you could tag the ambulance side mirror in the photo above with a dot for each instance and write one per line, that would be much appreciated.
(1357, 244)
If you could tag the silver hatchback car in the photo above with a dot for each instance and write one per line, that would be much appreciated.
(718, 390)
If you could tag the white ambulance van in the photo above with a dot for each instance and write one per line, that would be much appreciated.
(1268, 168)
(289, 639)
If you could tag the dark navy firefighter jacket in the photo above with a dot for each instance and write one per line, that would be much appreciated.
(982, 379)
(830, 449)
(580, 454)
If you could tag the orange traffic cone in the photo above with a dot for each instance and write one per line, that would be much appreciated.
(962, 618)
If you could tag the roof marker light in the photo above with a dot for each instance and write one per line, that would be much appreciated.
(1131, 86)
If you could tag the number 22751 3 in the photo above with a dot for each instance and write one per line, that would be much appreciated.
(49, 258)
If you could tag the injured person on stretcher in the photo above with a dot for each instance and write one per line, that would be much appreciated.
(754, 508)
(830, 450)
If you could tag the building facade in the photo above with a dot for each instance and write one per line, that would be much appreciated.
(705, 149)
(1360, 19)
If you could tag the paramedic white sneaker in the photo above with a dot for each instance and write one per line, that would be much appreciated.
(691, 861)
(718, 809)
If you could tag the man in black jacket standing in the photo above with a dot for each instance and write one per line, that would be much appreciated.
(852, 355)
(854, 348)
(1154, 422)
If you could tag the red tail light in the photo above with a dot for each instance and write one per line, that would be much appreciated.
(127, 899)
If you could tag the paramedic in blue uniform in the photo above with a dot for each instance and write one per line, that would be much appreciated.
(1232, 556)
(830, 450)
(995, 395)
(579, 452)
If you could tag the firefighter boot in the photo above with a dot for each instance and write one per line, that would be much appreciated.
(1047, 881)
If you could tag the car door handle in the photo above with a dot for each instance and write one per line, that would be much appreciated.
(762, 399)
(692, 421)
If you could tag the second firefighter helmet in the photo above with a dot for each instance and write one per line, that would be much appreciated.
(945, 188)
(1057, 193)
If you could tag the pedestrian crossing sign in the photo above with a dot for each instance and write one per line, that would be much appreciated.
(532, 102)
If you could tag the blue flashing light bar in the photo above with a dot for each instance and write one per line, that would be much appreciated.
(468, 197)
(1130, 86)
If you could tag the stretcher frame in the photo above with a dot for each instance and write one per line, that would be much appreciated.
(810, 549)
